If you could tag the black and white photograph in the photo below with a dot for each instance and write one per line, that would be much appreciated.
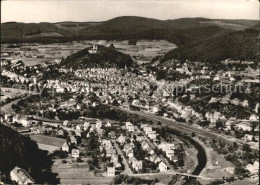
(131, 92)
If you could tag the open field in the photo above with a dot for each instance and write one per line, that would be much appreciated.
(48, 143)
(34, 54)
(217, 166)
(164, 179)
(148, 49)
(77, 173)
(49, 148)
(7, 108)
(11, 93)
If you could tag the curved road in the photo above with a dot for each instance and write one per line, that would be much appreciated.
(7, 108)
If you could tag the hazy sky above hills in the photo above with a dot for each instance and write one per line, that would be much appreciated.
(101, 10)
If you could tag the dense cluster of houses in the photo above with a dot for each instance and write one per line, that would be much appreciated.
(147, 139)
(126, 89)
(111, 154)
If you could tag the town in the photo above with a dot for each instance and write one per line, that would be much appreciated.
(106, 122)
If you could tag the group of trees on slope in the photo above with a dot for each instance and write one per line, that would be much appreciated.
(19, 150)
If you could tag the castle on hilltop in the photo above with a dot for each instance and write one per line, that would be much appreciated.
(93, 50)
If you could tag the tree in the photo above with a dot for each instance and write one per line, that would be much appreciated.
(19, 150)
(161, 74)
(235, 146)
(95, 161)
(241, 172)
(246, 148)
(219, 124)
(79, 160)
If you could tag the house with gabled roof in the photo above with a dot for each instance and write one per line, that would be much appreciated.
(162, 167)
(111, 171)
(150, 151)
(154, 158)
(65, 147)
(152, 135)
(112, 134)
(106, 143)
(169, 153)
(140, 138)
(129, 152)
(86, 125)
(66, 123)
(79, 127)
(73, 140)
(114, 158)
(131, 128)
(121, 139)
(75, 153)
(127, 124)
(98, 124)
(137, 165)
(132, 159)
(127, 146)
(110, 152)
(108, 124)
(147, 129)
(145, 145)
(166, 146)
(143, 125)
(22, 119)
(78, 133)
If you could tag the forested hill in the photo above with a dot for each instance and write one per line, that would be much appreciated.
(239, 45)
(18, 150)
(105, 57)
(178, 31)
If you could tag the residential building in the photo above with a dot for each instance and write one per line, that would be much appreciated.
(65, 147)
(108, 124)
(137, 165)
(75, 153)
(145, 145)
(20, 176)
(152, 135)
(110, 152)
(131, 128)
(106, 143)
(154, 158)
(121, 139)
(22, 120)
(248, 137)
(111, 171)
(162, 167)
(98, 124)
(132, 159)
(129, 152)
(73, 140)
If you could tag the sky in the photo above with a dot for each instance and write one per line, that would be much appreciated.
(101, 10)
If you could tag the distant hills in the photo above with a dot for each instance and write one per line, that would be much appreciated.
(178, 31)
(105, 57)
(240, 45)
(196, 38)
